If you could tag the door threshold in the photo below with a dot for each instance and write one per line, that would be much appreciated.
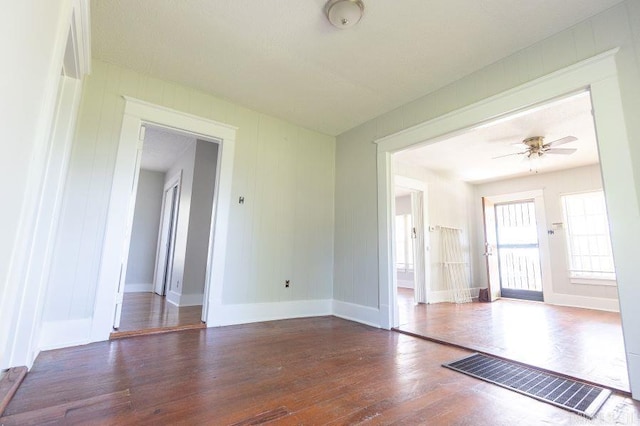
(158, 330)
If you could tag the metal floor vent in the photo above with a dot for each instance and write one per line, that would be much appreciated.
(569, 394)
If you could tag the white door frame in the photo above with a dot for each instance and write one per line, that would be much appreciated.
(136, 114)
(161, 252)
(419, 186)
(537, 196)
(599, 75)
(22, 306)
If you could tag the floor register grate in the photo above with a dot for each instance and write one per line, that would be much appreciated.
(569, 394)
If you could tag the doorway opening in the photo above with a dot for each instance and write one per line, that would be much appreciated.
(165, 272)
(517, 244)
(411, 267)
(517, 249)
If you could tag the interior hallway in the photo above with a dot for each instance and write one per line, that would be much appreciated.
(321, 370)
(582, 343)
(148, 311)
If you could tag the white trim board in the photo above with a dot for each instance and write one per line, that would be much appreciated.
(443, 296)
(574, 301)
(405, 283)
(258, 312)
(138, 288)
(358, 313)
(182, 300)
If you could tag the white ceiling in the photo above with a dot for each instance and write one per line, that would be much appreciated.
(283, 57)
(162, 147)
(470, 155)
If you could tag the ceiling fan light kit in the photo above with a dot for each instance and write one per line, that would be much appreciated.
(536, 148)
(344, 13)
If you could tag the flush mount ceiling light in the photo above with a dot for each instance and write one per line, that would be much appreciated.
(344, 13)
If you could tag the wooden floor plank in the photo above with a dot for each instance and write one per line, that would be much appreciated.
(148, 311)
(304, 371)
(9, 384)
(583, 343)
(71, 412)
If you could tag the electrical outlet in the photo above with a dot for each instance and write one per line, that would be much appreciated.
(286, 283)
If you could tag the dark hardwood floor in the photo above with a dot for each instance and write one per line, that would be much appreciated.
(582, 343)
(304, 371)
(148, 313)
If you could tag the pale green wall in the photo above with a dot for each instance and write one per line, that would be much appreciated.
(284, 230)
(356, 244)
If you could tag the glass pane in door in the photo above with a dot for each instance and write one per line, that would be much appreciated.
(518, 251)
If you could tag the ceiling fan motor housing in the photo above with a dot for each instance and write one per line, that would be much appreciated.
(535, 142)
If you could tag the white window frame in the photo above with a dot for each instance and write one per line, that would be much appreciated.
(584, 277)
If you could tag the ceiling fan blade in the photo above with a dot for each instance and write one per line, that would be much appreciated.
(509, 155)
(561, 141)
(563, 151)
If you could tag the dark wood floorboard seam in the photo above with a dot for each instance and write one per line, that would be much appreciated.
(9, 385)
(57, 413)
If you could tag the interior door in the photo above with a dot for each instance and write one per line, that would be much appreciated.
(491, 248)
(127, 238)
(421, 273)
(166, 242)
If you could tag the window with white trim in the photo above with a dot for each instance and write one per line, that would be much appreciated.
(588, 240)
(404, 243)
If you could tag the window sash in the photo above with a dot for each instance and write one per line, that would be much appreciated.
(587, 233)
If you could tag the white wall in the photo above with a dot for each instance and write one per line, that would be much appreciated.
(28, 85)
(184, 165)
(356, 242)
(284, 230)
(403, 205)
(554, 185)
(449, 204)
(204, 180)
(144, 233)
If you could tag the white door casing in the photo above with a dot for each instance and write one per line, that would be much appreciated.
(136, 114)
(129, 227)
(424, 252)
(167, 233)
(491, 248)
(598, 74)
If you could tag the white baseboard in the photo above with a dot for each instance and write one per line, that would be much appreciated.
(358, 313)
(598, 303)
(173, 298)
(61, 334)
(138, 288)
(257, 312)
(191, 299)
(633, 364)
(440, 296)
(405, 283)
(181, 300)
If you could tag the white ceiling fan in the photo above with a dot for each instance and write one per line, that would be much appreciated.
(536, 147)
